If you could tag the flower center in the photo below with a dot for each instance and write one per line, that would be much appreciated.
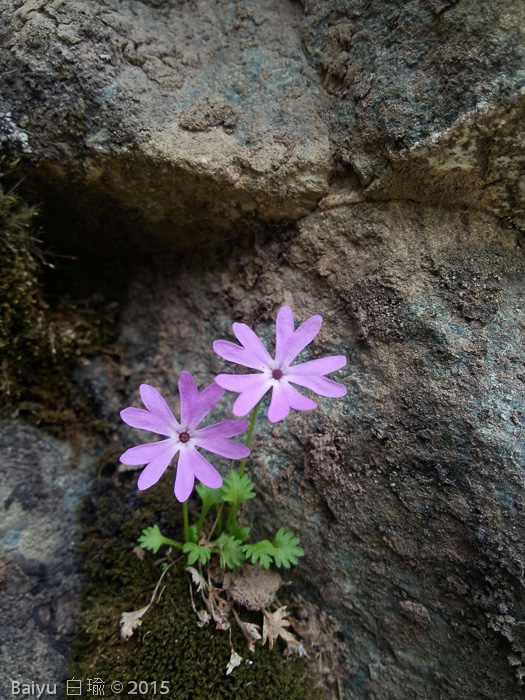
(184, 437)
(277, 374)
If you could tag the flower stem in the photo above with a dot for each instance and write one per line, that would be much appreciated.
(249, 436)
(186, 521)
(172, 543)
(232, 515)
(201, 520)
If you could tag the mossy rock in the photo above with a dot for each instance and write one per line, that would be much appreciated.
(40, 342)
(169, 645)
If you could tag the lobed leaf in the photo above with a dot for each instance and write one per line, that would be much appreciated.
(230, 550)
(151, 538)
(286, 549)
(240, 532)
(209, 497)
(260, 551)
(236, 489)
(197, 551)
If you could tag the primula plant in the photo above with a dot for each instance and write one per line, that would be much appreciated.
(217, 530)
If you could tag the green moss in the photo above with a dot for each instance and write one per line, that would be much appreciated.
(39, 342)
(168, 646)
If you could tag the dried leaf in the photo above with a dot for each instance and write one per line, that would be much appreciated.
(320, 634)
(235, 660)
(129, 621)
(204, 618)
(252, 587)
(197, 579)
(295, 648)
(219, 610)
(139, 552)
(250, 631)
(275, 625)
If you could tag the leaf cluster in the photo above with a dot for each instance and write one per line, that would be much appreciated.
(283, 550)
(231, 543)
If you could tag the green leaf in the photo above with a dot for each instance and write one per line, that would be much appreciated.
(240, 532)
(151, 538)
(230, 551)
(196, 551)
(209, 497)
(236, 489)
(193, 534)
(260, 551)
(285, 549)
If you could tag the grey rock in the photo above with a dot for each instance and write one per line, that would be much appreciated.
(409, 493)
(428, 97)
(182, 117)
(42, 485)
(187, 121)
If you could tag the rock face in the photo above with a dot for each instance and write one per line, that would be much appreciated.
(186, 116)
(200, 125)
(40, 492)
(187, 120)
(428, 97)
(408, 494)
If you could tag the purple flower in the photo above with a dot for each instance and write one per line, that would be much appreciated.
(278, 374)
(183, 437)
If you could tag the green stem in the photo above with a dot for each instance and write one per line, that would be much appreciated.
(232, 515)
(202, 518)
(186, 521)
(172, 543)
(249, 436)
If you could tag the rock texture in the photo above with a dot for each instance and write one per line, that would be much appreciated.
(181, 116)
(428, 97)
(189, 120)
(408, 494)
(42, 485)
(199, 126)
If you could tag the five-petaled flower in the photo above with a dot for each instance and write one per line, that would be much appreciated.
(278, 373)
(183, 437)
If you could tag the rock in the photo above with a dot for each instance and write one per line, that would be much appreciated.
(198, 126)
(41, 487)
(177, 118)
(408, 495)
(428, 97)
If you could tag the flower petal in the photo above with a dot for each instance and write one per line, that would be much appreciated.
(285, 397)
(284, 328)
(222, 447)
(302, 337)
(279, 406)
(324, 365)
(195, 406)
(155, 403)
(206, 472)
(145, 420)
(185, 477)
(297, 400)
(321, 385)
(236, 353)
(192, 464)
(142, 454)
(254, 347)
(249, 398)
(239, 382)
(156, 468)
(224, 429)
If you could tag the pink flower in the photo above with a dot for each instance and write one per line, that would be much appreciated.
(183, 437)
(278, 374)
